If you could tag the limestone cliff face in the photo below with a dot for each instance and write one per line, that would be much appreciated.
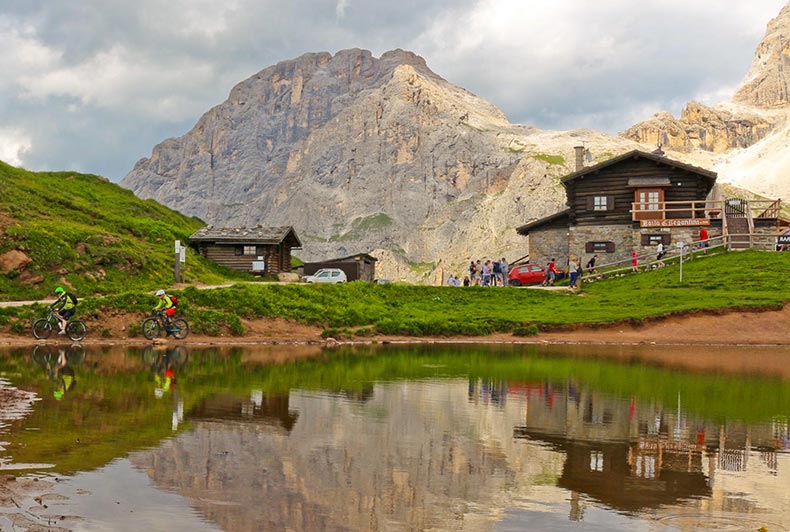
(365, 154)
(701, 128)
(766, 84)
(758, 109)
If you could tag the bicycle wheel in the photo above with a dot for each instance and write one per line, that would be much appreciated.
(178, 355)
(149, 356)
(42, 329)
(75, 354)
(76, 330)
(179, 329)
(42, 354)
(151, 328)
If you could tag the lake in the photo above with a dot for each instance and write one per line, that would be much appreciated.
(399, 437)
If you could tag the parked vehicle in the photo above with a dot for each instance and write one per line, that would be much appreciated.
(327, 275)
(527, 274)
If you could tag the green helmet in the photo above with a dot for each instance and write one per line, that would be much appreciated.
(59, 290)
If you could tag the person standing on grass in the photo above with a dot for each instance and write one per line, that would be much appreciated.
(703, 240)
(472, 271)
(487, 273)
(497, 269)
(634, 261)
(551, 271)
(573, 271)
(660, 254)
(505, 271)
(591, 265)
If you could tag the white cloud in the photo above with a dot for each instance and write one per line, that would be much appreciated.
(341, 7)
(118, 78)
(29, 55)
(13, 146)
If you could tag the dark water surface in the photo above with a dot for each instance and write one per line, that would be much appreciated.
(463, 437)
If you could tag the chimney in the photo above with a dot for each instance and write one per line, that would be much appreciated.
(579, 157)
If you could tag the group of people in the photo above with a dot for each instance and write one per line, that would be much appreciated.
(66, 303)
(483, 273)
(575, 271)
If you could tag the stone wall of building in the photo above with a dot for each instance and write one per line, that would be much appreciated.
(548, 244)
(625, 238)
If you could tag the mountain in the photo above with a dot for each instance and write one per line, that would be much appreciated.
(382, 155)
(88, 235)
(744, 139)
(365, 154)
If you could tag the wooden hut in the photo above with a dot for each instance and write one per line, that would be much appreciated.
(357, 267)
(259, 250)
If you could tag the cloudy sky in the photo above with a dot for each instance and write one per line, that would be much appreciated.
(93, 85)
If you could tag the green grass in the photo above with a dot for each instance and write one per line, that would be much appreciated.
(550, 159)
(363, 226)
(730, 280)
(91, 235)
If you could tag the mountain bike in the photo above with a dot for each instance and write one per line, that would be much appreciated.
(154, 326)
(158, 360)
(44, 356)
(42, 328)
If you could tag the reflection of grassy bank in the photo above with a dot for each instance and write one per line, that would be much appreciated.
(113, 411)
(710, 395)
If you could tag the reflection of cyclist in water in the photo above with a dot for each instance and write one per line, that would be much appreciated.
(64, 376)
(165, 382)
(163, 366)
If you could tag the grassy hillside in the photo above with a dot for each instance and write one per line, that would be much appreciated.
(83, 232)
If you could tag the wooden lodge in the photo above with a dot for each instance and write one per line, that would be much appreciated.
(259, 250)
(356, 267)
(635, 200)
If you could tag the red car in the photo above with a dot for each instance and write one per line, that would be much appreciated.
(529, 274)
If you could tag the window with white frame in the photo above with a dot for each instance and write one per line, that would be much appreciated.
(600, 203)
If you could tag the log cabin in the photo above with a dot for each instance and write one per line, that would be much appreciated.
(632, 202)
(258, 250)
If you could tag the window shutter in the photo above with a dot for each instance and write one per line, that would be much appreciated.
(588, 247)
(590, 204)
(610, 247)
(609, 203)
(645, 240)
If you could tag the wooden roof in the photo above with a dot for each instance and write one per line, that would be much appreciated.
(525, 229)
(247, 235)
(355, 257)
(636, 154)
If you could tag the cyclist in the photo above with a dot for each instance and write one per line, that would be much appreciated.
(166, 305)
(65, 307)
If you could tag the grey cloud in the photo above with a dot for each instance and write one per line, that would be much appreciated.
(599, 66)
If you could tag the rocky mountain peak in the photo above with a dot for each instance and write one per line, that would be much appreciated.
(766, 83)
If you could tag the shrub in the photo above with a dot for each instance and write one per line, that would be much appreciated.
(529, 330)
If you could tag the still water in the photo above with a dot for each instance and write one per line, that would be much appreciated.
(463, 437)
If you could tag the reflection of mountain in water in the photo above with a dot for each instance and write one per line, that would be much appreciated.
(453, 454)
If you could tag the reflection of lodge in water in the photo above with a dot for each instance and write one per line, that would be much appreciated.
(272, 410)
(632, 455)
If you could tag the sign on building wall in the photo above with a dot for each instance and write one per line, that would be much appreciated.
(685, 222)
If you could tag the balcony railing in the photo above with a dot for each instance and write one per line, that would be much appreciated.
(676, 210)
(703, 209)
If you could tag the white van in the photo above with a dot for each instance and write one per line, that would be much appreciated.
(327, 275)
